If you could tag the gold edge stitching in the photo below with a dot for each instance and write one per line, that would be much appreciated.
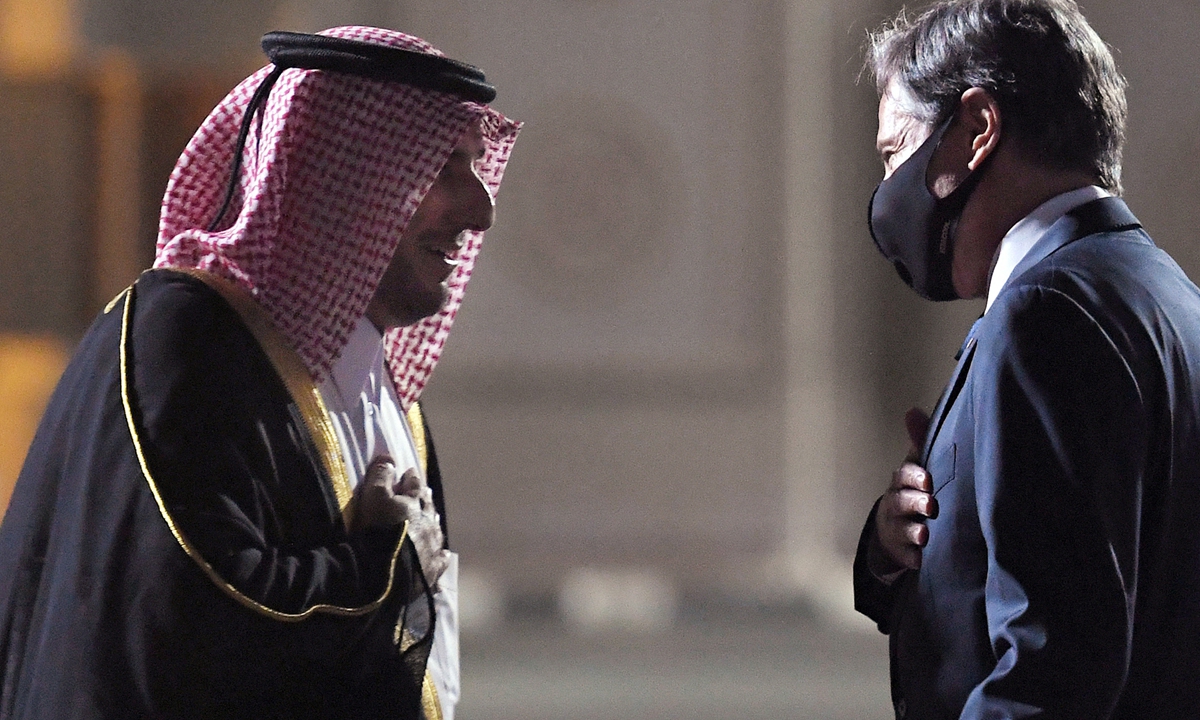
(430, 702)
(316, 417)
(191, 551)
(296, 378)
(113, 303)
(416, 424)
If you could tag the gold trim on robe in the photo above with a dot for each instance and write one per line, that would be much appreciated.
(177, 532)
(430, 703)
(416, 423)
(295, 376)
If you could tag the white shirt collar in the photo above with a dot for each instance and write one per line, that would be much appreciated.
(1025, 234)
(362, 355)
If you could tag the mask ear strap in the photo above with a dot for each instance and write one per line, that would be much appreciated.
(931, 145)
(260, 96)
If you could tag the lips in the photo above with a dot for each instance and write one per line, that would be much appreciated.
(446, 254)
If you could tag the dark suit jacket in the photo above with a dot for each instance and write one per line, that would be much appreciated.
(1062, 575)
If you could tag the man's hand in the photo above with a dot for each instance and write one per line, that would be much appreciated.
(908, 502)
(385, 501)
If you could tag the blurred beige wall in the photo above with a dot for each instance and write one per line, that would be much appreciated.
(681, 356)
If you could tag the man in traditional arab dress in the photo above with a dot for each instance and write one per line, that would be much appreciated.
(231, 507)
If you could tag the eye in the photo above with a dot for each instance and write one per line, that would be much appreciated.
(886, 157)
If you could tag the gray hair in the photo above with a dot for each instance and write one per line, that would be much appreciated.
(1057, 85)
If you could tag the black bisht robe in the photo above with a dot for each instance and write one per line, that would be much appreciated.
(175, 547)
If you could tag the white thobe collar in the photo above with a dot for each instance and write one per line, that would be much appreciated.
(362, 404)
(362, 356)
(369, 421)
(1025, 234)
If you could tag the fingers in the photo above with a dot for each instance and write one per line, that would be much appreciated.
(434, 566)
(419, 510)
(381, 472)
(917, 534)
(434, 569)
(912, 476)
(903, 511)
(906, 556)
(916, 423)
(902, 535)
(425, 531)
(908, 502)
(410, 507)
(907, 505)
(913, 504)
(383, 499)
(410, 483)
(387, 500)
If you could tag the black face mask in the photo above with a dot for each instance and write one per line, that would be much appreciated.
(914, 229)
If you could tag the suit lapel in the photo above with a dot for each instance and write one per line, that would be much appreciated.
(1104, 215)
(950, 394)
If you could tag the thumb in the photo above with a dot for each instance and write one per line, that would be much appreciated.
(916, 422)
(381, 472)
(410, 483)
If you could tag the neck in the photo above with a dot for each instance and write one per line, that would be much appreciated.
(1011, 190)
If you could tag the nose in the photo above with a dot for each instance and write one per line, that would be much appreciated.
(479, 206)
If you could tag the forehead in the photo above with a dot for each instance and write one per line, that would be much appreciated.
(900, 128)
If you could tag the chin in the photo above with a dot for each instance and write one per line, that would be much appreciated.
(424, 307)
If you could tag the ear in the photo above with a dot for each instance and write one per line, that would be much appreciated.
(980, 115)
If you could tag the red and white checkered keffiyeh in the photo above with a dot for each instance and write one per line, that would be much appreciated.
(330, 177)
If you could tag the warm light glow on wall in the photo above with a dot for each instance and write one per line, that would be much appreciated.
(37, 41)
(37, 37)
(119, 133)
(29, 369)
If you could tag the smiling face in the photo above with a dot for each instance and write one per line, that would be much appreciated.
(414, 285)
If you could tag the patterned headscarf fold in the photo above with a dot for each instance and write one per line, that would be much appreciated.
(332, 171)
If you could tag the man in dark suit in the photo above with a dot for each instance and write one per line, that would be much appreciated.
(1038, 555)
